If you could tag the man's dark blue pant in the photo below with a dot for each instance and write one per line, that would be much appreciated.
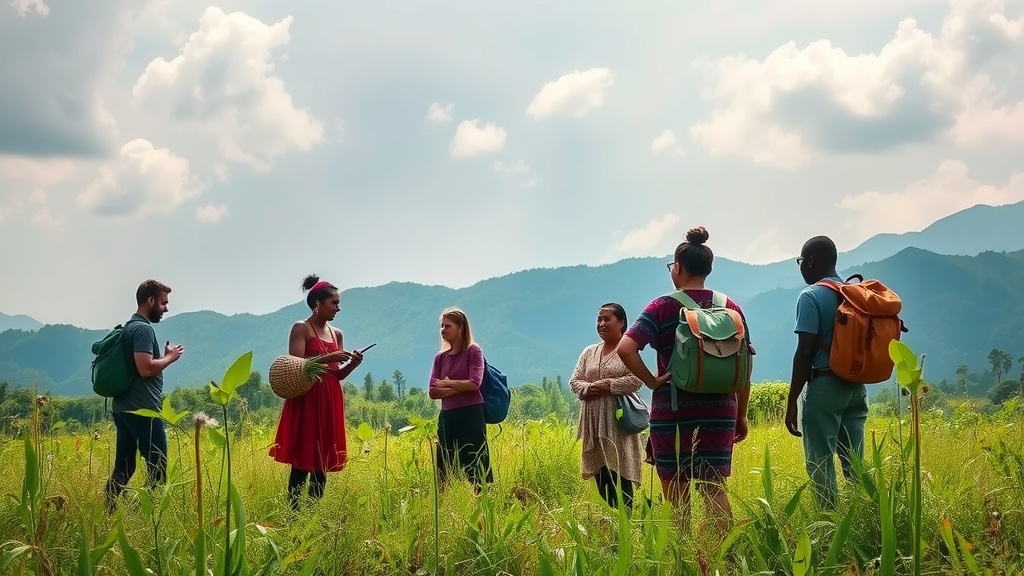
(137, 434)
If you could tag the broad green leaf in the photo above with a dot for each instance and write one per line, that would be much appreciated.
(98, 552)
(902, 354)
(904, 376)
(85, 563)
(217, 437)
(838, 543)
(238, 565)
(219, 396)
(132, 559)
(965, 549)
(145, 501)
(946, 531)
(146, 412)
(237, 374)
(802, 556)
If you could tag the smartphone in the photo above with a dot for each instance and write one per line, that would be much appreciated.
(363, 351)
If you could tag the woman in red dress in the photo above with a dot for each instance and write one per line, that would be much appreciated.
(311, 433)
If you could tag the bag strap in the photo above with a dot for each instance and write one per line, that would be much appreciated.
(718, 299)
(126, 349)
(684, 299)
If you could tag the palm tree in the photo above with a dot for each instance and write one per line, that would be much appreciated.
(1001, 363)
(961, 378)
(1021, 362)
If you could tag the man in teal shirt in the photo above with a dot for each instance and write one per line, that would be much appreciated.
(135, 433)
(834, 411)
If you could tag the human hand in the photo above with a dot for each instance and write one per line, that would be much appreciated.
(356, 358)
(660, 381)
(339, 356)
(742, 429)
(600, 388)
(174, 352)
(791, 423)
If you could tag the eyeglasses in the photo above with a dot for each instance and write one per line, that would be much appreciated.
(669, 265)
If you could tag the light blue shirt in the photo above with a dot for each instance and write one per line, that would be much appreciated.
(816, 314)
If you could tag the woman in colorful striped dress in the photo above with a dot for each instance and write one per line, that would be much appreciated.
(693, 442)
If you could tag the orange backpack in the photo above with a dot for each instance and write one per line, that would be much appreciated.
(866, 321)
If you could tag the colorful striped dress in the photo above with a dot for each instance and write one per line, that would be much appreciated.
(695, 441)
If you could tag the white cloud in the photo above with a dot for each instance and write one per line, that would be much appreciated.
(764, 248)
(44, 218)
(339, 130)
(796, 103)
(439, 113)
(23, 7)
(144, 180)
(983, 120)
(666, 142)
(211, 214)
(575, 94)
(224, 83)
(647, 240)
(924, 201)
(518, 169)
(35, 173)
(472, 140)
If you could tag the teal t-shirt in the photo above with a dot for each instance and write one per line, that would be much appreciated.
(139, 336)
(816, 314)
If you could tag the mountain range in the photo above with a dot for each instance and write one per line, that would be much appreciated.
(959, 303)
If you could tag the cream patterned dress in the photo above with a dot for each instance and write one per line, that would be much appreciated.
(604, 443)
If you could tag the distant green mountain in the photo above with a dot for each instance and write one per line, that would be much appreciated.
(969, 232)
(535, 323)
(18, 322)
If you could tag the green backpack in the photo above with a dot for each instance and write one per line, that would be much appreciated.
(113, 369)
(711, 353)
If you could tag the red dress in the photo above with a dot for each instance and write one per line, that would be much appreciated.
(311, 433)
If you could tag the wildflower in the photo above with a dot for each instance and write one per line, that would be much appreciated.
(41, 400)
(203, 421)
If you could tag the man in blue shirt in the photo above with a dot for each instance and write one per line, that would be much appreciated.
(834, 411)
(140, 433)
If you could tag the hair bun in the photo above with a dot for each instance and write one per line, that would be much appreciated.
(697, 235)
(309, 281)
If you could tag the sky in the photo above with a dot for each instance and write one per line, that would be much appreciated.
(230, 149)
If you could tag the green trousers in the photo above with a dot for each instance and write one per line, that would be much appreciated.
(833, 415)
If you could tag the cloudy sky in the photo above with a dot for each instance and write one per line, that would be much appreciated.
(229, 149)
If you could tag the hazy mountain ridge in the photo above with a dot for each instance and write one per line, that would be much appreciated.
(18, 322)
(533, 323)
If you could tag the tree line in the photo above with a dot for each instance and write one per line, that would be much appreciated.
(390, 402)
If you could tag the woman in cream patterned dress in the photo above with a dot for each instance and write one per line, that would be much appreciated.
(609, 455)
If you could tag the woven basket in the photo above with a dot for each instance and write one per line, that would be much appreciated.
(289, 376)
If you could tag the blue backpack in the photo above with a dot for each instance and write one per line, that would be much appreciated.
(494, 388)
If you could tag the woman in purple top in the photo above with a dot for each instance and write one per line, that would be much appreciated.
(455, 381)
(693, 442)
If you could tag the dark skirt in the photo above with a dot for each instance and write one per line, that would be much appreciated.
(462, 443)
(695, 441)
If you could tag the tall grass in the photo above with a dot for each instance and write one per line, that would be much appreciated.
(384, 514)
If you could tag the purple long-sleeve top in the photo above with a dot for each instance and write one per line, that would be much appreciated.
(466, 365)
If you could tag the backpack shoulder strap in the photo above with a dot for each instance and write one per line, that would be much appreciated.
(684, 299)
(836, 286)
(719, 299)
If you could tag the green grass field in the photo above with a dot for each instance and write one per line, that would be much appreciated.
(381, 515)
